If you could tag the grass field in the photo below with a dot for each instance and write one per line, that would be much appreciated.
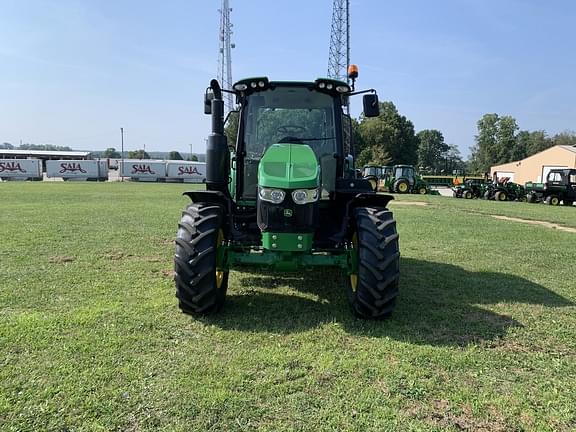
(483, 337)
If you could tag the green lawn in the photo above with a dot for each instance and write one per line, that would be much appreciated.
(483, 337)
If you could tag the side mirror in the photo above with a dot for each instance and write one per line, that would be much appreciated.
(371, 107)
(208, 96)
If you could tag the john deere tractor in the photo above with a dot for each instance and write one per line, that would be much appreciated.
(286, 197)
(403, 179)
(377, 175)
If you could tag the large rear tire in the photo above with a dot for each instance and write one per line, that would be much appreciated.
(501, 196)
(200, 282)
(373, 182)
(401, 186)
(373, 290)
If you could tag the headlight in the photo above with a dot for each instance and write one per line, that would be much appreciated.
(305, 196)
(275, 196)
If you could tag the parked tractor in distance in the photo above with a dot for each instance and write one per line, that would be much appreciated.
(285, 196)
(505, 190)
(560, 186)
(404, 179)
(471, 188)
(376, 175)
(397, 179)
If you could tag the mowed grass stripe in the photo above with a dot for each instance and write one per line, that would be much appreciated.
(91, 339)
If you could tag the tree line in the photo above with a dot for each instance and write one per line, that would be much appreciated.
(390, 139)
(500, 141)
(45, 147)
(109, 153)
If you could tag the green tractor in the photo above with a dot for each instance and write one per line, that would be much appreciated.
(403, 179)
(505, 190)
(286, 197)
(471, 188)
(377, 175)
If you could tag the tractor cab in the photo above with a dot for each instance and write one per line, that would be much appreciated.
(562, 177)
(372, 171)
(405, 172)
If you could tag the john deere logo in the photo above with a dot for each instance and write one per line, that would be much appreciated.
(287, 213)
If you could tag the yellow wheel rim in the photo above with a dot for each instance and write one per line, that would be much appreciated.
(422, 191)
(403, 187)
(219, 273)
(354, 276)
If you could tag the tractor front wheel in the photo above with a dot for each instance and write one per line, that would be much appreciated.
(372, 291)
(468, 194)
(552, 200)
(422, 190)
(201, 283)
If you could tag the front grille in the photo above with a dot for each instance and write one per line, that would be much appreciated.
(287, 216)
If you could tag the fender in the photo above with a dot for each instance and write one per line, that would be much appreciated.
(369, 199)
(214, 197)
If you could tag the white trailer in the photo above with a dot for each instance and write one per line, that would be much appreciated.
(77, 169)
(187, 172)
(143, 170)
(20, 169)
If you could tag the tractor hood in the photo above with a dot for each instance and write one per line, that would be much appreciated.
(289, 166)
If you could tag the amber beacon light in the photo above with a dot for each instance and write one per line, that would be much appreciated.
(353, 71)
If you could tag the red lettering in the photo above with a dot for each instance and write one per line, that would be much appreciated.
(71, 167)
(11, 167)
(142, 168)
(182, 170)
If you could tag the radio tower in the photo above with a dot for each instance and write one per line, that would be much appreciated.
(225, 54)
(339, 57)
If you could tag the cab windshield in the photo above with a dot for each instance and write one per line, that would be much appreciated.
(372, 171)
(289, 115)
(404, 172)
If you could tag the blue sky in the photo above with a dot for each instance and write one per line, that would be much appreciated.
(72, 72)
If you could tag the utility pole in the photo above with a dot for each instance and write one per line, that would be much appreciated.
(191, 150)
(122, 153)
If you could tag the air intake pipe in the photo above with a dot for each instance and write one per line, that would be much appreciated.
(217, 154)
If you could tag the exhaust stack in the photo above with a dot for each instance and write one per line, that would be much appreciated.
(217, 154)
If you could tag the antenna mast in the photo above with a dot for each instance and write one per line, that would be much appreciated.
(225, 53)
(339, 57)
